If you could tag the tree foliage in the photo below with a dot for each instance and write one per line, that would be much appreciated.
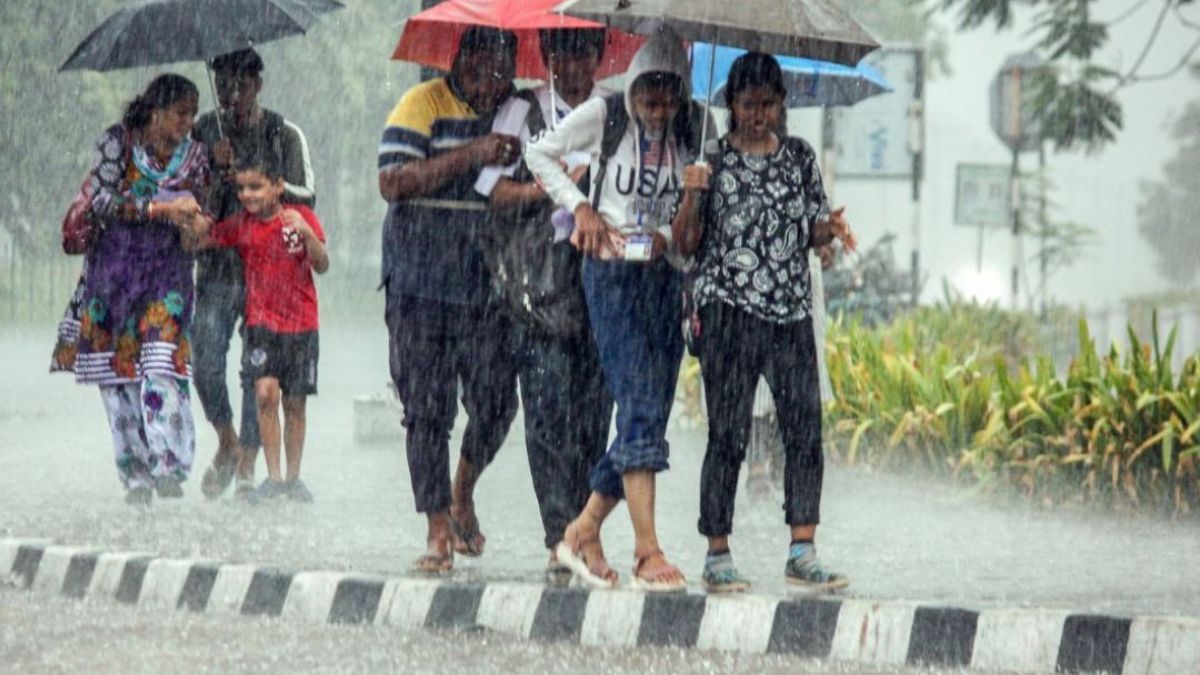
(1073, 96)
(1169, 214)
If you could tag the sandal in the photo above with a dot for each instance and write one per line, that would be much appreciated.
(468, 541)
(558, 574)
(655, 581)
(577, 563)
(434, 563)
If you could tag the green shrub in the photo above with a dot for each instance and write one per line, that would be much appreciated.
(948, 389)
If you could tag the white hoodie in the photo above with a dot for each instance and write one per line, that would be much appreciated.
(625, 179)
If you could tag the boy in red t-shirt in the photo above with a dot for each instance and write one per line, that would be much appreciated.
(281, 245)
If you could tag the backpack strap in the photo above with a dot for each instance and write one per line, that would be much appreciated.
(273, 133)
(534, 118)
(616, 121)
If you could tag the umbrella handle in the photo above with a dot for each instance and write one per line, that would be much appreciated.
(212, 83)
(712, 65)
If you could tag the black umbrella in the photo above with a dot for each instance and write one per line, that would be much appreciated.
(168, 31)
(813, 29)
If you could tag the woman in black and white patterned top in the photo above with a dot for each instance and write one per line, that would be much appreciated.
(751, 219)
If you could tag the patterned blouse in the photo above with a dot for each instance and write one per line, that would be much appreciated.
(124, 172)
(758, 214)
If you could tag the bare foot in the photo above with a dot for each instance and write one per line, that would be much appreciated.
(467, 538)
(431, 562)
(438, 558)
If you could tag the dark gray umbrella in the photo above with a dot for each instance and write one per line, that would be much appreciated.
(814, 29)
(169, 31)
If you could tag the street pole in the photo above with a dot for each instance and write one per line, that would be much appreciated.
(1014, 187)
(1043, 262)
(916, 138)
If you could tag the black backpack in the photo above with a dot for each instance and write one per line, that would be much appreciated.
(538, 281)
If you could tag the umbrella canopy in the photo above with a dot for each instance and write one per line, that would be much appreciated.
(816, 29)
(809, 83)
(431, 37)
(169, 31)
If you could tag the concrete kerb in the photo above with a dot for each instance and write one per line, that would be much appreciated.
(854, 630)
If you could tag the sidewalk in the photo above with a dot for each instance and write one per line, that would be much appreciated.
(859, 631)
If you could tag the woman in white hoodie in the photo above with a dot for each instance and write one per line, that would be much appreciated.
(638, 144)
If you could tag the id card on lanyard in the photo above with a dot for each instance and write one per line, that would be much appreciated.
(647, 213)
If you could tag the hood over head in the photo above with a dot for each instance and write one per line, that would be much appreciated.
(663, 52)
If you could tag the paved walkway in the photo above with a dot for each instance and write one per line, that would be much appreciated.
(898, 538)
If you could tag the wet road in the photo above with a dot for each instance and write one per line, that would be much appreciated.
(896, 537)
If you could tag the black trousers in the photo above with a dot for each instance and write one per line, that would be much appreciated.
(735, 349)
(435, 347)
(567, 415)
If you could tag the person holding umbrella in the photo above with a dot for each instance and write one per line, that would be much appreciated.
(638, 141)
(753, 216)
(137, 300)
(443, 326)
(567, 408)
(240, 128)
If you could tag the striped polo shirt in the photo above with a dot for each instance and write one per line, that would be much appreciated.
(430, 248)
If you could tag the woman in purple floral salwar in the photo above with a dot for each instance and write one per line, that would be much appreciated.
(136, 304)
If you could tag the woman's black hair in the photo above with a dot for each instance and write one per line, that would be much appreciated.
(750, 71)
(164, 91)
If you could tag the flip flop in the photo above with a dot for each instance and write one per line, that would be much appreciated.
(431, 563)
(468, 542)
(575, 562)
(651, 586)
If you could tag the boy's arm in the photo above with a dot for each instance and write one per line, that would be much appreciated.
(318, 255)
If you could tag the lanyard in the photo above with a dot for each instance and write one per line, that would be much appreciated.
(663, 150)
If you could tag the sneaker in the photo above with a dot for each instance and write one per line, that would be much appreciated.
(217, 479)
(243, 489)
(168, 487)
(139, 496)
(267, 490)
(297, 491)
(805, 570)
(721, 575)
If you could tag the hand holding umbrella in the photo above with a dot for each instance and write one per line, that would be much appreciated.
(170, 31)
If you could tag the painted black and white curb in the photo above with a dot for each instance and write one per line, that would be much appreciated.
(878, 633)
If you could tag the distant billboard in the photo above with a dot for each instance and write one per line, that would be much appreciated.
(982, 195)
(874, 138)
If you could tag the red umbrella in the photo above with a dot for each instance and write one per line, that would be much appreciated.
(431, 37)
